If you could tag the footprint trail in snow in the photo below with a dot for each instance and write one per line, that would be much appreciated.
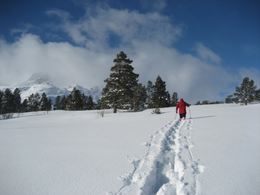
(168, 167)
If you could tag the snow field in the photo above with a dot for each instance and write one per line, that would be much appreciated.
(168, 166)
(227, 143)
(70, 152)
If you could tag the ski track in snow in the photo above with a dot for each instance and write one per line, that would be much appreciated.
(168, 167)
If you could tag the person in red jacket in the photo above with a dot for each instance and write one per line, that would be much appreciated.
(181, 106)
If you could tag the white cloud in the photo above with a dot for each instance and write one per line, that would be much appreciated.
(124, 24)
(191, 77)
(146, 38)
(60, 13)
(207, 54)
(65, 63)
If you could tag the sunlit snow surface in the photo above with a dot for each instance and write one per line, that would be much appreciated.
(78, 152)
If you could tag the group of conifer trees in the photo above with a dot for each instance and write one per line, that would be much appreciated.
(122, 90)
(10, 102)
(75, 101)
(245, 93)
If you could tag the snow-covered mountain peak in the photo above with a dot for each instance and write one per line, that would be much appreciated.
(37, 78)
(42, 83)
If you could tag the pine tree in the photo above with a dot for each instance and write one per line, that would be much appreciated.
(57, 103)
(119, 89)
(168, 99)
(149, 92)
(231, 99)
(228, 99)
(84, 100)
(160, 98)
(8, 102)
(43, 102)
(24, 106)
(34, 102)
(174, 99)
(246, 92)
(67, 103)
(49, 104)
(1, 96)
(198, 103)
(89, 103)
(139, 97)
(257, 95)
(97, 105)
(63, 102)
(17, 100)
(75, 100)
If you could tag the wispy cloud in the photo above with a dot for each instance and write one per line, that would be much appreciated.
(126, 25)
(207, 54)
(59, 13)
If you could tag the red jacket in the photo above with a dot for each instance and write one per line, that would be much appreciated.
(181, 105)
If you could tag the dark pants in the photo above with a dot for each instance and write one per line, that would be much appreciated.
(183, 115)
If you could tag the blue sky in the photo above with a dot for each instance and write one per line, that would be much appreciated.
(213, 42)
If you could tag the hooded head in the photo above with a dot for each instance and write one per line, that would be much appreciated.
(181, 100)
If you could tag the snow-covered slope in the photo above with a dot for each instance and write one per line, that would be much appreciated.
(227, 142)
(68, 152)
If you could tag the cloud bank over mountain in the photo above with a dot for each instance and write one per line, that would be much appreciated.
(95, 39)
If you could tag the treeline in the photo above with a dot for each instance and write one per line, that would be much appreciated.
(246, 93)
(123, 91)
(157, 96)
(10, 102)
(75, 101)
(206, 102)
